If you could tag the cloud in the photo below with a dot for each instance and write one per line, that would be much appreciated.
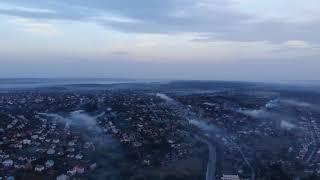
(296, 48)
(120, 53)
(269, 30)
(59, 66)
(213, 20)
(35, 27)
(296, 44)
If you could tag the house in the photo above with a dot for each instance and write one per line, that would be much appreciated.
(7, 163)
(79, 169)
(39, 168)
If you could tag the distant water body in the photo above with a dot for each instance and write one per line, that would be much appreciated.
(37, 83)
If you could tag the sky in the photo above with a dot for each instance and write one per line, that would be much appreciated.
(247, 40)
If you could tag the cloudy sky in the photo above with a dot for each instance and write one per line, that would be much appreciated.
(255, 40)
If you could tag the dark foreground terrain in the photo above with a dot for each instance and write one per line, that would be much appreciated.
(184, 130)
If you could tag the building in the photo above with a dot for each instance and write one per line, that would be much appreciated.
(230, 177)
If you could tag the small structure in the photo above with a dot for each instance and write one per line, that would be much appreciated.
(79, 156)
(79, 169)
(39, 168)
(72, 172)
(230, 177)
(26, 141)
(51, 151)
(49, 163)
(34, 137)
(7, 163)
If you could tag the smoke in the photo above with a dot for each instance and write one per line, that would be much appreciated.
(287, 125)
(263, 112)
(107, 149)
(77, 119)
(256, 113)
(285, 119)
(297, 103)
(272, 103)
(203, 126)
(187, 114)
(54, 116)
(87, 124)
(273, 111)
(301, 104)
(165, 97)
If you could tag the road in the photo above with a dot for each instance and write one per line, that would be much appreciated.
(189, 115)
(196, 120)
(212, 158)
(211, 167)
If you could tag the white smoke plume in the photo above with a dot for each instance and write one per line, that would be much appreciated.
(287, 125)
(297, 103)
(192, 118)
(256, 113)
(165, 97)
(76, 118)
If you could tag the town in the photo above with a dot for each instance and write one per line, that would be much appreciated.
(209, 131)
